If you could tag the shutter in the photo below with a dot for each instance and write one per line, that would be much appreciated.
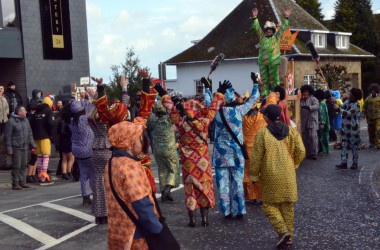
(14, 70)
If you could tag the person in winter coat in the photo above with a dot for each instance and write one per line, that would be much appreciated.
(371, 110)
(18, 138)
(13, 97)
(42, 126)
(4, 110)
(36, 97)
(278, 151)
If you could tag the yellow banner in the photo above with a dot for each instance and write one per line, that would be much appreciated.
(287, 40)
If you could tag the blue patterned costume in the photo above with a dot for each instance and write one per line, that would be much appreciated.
(228, 158)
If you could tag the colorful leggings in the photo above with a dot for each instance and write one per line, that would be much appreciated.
(355, 150)
(86, 175)
(42, 166)
(323, 141)
(281, 216)
(231, 191)
(269, 78)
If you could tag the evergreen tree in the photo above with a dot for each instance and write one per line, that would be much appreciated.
(130, 69)
(313, 7)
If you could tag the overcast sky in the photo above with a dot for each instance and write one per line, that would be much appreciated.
(158, 30)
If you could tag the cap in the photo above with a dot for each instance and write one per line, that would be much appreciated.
(272, 112)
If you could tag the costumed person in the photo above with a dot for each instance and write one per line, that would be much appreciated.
(253, 121)
(165, 150)
(324, 124)
(269, 54)
(285, 114)
(131, 185)
(116, 111)
(371, 111)
(335, 117)
(309, 121)
(278, 151)
(351, 129)
(42, 124)
(192, 120)
(228, 153)
(82, 138)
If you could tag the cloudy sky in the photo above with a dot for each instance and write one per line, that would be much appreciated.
(157, 30)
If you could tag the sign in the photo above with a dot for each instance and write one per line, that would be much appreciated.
(287, 39)
(56, 31)
(85, 80)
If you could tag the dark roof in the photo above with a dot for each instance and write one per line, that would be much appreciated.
(234, 37)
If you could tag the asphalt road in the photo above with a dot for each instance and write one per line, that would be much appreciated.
(337, 209)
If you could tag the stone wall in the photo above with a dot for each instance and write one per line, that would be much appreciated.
(54, 76)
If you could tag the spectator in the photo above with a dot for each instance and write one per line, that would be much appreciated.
(324, 123)
(309, 121)
(36, 97)
(4, 110)
(18, 137)
(13, 97)
(278, 151)
(351, 129)
(285, 115)
(31, 176)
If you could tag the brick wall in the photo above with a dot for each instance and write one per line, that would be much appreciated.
(54, 76)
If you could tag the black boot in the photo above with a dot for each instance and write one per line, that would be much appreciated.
(342, 166)
(192, 222)
(101, 220)
(87, 200)
(354, 166)
(204, 213)
(166, 195)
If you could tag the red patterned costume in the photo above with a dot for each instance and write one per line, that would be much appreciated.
(195, 158)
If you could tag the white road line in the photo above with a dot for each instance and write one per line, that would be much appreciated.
(19, 208)
(69, 211)
(67, 236)
(27, 229)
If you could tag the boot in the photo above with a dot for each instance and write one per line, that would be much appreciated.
(192, 222)
(342, 166)
(87, 200)
(65, 177)
(30, 179)
(23, 185)
(101, 220)
(354, 166)
(16, 187)
(166, 194)
(204, 213)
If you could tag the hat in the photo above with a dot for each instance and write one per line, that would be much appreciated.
(11, 83)
(125, 134)
(270, 25)
(272, 112)
(75, 106)
(47, 101)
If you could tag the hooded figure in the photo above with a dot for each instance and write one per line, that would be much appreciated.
(36, 97)
(227, 157)
(13, 97)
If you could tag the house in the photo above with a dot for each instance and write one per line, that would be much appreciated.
(234, 37)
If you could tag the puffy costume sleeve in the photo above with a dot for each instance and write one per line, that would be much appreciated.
(174, 115)
(215, 105)
(208, 97)
(255, 95)
(147, 103)
(284, 25)
(258, 153)
(256, 27)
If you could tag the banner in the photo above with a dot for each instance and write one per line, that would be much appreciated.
(56, 31)
(287, 40)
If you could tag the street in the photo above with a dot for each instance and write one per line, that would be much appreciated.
(337, 209)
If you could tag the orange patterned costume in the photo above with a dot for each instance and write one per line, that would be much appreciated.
(195, 157)
(117, 112)
(251, 125)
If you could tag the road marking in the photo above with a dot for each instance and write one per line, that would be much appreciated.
(69, 211)
(67, 236)
(27, 229)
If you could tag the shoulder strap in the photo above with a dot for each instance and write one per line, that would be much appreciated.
(229, 128)
(195, 130)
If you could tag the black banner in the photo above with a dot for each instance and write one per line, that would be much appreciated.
(56, 31)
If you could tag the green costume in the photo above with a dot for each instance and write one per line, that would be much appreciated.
(323, 134)
(371, 111)
(165, 149)
(269, 56)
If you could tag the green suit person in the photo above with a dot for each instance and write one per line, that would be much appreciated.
(269, 54)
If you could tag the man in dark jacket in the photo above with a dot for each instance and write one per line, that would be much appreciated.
(13, 97)
(36, 97)
(18, 137)
(42, 125)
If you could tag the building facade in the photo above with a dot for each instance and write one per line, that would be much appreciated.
(43, 44)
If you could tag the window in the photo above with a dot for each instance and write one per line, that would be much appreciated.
(342, 42)
(198, 87)
(319, 40)
(309, 80)
(8, 17)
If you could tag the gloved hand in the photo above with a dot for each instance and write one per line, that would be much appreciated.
(207, 82)
(176, 100)
(161, 91)
(100, 90)
(180, 109)
(224, 86)
(254, 77)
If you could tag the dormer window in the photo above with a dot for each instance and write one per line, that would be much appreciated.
(342, 42)
(319, 40)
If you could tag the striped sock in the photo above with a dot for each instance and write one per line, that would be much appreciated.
(39, 166)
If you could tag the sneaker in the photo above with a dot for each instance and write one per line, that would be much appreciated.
(283, 239)
(45, 183)
(289, 242)
(239, 217)
(342, 166)
(228, 217)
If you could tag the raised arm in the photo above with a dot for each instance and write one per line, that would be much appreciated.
(207, 83)
(285, 23)
(255, 95)
(256, 25)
